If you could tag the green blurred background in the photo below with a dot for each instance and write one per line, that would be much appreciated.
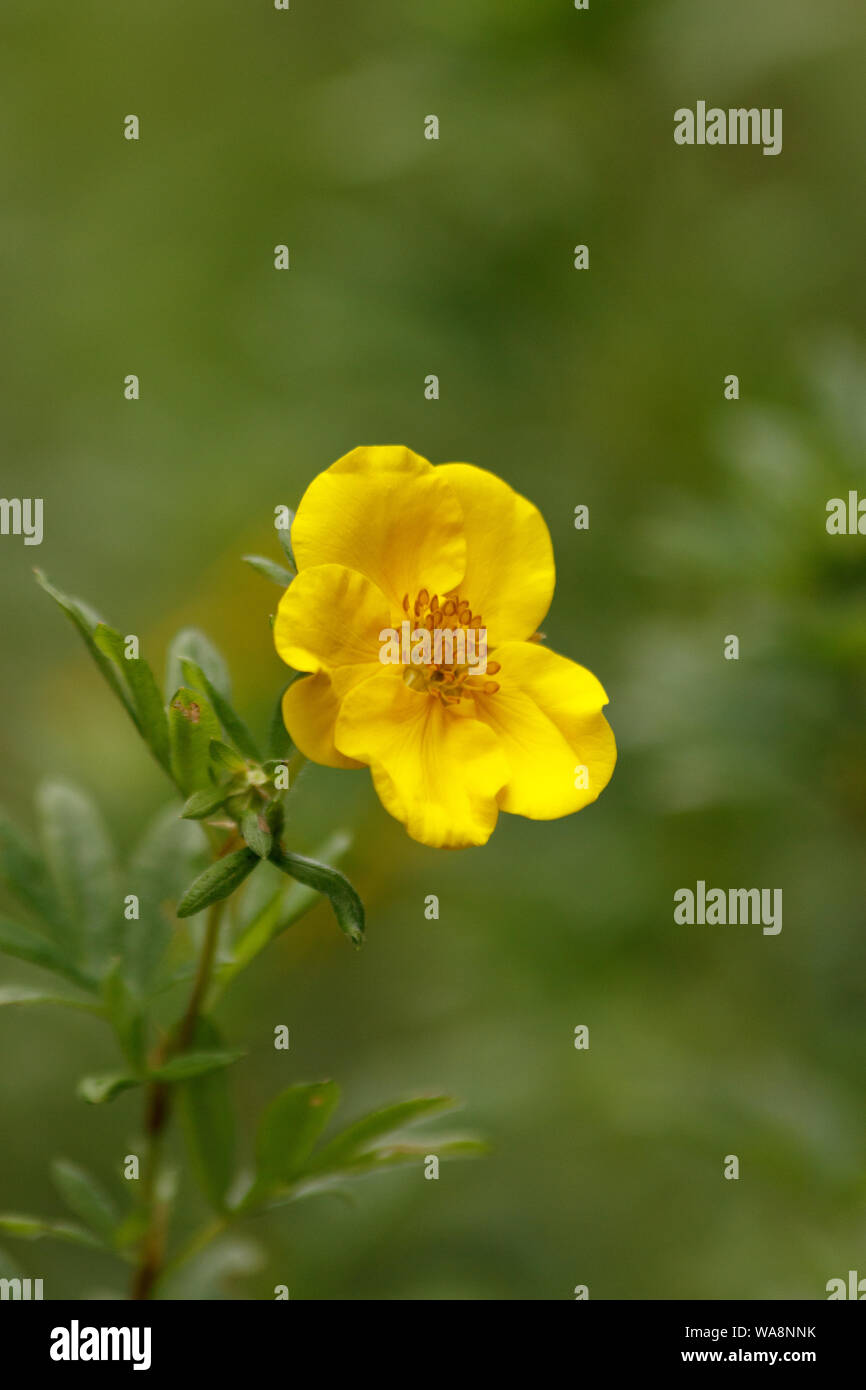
(602, 387)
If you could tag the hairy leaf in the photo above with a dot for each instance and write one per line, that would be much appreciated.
(191, 726)
(137, 677)
(278, 574)
(217, 881)
(348, 908)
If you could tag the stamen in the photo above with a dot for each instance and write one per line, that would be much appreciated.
(450, 678)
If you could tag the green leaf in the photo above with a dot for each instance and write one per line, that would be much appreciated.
(34, 1228)
(208, 1121)
(226, 757)
(191, 644)
(81, 864)
(24, 873)
(86, 620)
(23, 994)
(301, 897)
(148, 710)
(85, 1198)
(125, 1014)
(278, 574)
(359, 1137)
(191, 726)
(255, 831)
(96, 1090)
(25, 944)
(191, 1064)
(168, 856)
(203, 803)
(217, 881)
(287, 1132)
(231, 722)
(276, 912)
(396, 1155)
(284, 536)
(410, 1151)
(348, 908)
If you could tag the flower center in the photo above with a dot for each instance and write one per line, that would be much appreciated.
(457, 648)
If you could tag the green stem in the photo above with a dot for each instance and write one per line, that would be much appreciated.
(157, 1113)
(186, 1028)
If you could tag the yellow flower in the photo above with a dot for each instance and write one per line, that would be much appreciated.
(381, 537)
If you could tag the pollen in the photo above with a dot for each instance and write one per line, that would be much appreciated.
(457, 636)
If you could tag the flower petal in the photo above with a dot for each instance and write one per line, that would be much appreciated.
(388, 514)
(510, 574)
(330, 617)
(547, 716)
(436, 769)
(310, 709)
